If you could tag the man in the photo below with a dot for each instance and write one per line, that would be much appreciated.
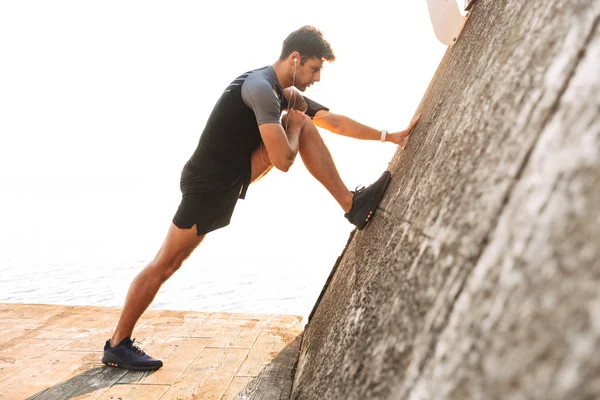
(244, 138)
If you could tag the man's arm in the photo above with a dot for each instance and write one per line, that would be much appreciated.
(281, 147)
(345, 126)
(281, 144)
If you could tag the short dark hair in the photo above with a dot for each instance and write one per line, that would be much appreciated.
(309, 42)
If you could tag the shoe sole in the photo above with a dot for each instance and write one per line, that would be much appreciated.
(371, 206)
(113, 361)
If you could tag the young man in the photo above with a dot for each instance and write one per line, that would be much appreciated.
(244, 138)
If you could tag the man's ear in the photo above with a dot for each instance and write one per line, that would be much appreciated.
(295, 58)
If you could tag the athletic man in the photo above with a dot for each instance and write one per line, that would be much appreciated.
(244, 138)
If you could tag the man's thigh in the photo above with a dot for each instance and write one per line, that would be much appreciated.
(179, 244)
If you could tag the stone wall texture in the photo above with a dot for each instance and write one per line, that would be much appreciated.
(479, 278)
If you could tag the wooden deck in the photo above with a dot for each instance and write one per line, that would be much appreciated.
(53, 352)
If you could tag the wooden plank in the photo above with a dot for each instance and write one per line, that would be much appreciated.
(162, 317)
(153, 329)
(176, 354)
(272, 368)
(88, 382)
(209, 327)
(92, 342)
(259, 357)
(190, 324)
(240, 333)
(209, 376)
(150, 333)
(236, 389)
(168, 317)
(134, 392)
(34, 311)
(269, 344)
(277, 335)
(259, 317)
(12, 337)
(23, 354)
(17, 326)
(271, 364)
(8, 324)
(257, 388)
(44, 374)
(87, 330)
(287, 322)
(72, 323)
(221, 315)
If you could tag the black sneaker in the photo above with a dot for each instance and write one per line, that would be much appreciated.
(365, 201)
(129, 356)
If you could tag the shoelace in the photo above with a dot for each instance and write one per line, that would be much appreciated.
(359, 189)
(135, 348)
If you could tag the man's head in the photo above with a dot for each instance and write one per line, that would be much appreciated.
(305, 50)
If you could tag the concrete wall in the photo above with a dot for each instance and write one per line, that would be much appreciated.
(480, 275)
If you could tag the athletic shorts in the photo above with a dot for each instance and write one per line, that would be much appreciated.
(210, 209)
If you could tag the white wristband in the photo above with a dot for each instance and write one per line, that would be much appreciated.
(383, 134)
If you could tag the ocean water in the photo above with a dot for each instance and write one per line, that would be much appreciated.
(76, 128)
(79, 242)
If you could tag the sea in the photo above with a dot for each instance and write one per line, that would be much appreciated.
(76, 241)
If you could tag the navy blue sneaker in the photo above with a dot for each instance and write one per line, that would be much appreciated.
(365, 201)
(129, 356)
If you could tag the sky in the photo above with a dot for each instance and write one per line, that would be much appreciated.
(107, 100)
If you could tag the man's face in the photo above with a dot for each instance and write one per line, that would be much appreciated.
(308, 73)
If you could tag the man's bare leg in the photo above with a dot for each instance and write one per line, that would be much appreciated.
(180, 243)
(177, 247)
(261, 163)
(318, 161)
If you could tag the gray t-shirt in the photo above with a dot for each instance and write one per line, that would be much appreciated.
(259, 92)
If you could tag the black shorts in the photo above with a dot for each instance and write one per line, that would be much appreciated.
(210, 209)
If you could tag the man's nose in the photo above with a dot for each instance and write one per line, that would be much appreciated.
(317, 77)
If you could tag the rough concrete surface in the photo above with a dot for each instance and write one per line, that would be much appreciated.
(479, 278)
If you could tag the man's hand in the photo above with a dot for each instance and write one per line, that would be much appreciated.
(293, 121)
(401, 138)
